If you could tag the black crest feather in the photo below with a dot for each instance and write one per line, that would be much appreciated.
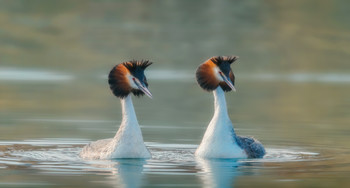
(218, 60)
(134, 65)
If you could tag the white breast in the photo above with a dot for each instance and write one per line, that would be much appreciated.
(219, 138)
(127, 143)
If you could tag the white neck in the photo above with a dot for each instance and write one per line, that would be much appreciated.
(129, 120)
(129, 115)
(220, 120)
(220, 103)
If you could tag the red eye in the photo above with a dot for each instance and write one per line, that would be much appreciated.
(133, 79)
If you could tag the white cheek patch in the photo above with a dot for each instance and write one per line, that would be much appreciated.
(217, 74)
(131, 81)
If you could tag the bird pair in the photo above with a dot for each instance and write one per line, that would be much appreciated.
(220, 139)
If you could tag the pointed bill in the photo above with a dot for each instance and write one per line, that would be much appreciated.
(143, 88)
(228, 81)
(146, 91)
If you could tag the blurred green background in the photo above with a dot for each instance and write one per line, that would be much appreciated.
(55, 56)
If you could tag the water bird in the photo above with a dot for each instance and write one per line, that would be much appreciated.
(220, 139)
(124, 79)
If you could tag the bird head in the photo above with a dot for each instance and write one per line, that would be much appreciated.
(215, 72)
(129, 77)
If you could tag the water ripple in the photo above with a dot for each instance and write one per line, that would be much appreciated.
(54, 154)
(60, 157)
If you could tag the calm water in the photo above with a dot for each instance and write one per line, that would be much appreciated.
(292, 83)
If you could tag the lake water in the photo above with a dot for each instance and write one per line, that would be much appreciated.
(292, 83)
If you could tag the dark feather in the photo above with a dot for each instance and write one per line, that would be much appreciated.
(137, 92)
(251, 146)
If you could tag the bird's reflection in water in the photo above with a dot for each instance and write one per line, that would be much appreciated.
(125, 173)
(218, 173)
(129, 172)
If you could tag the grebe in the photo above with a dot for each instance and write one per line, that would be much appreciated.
(220, 139)
(124, 79)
